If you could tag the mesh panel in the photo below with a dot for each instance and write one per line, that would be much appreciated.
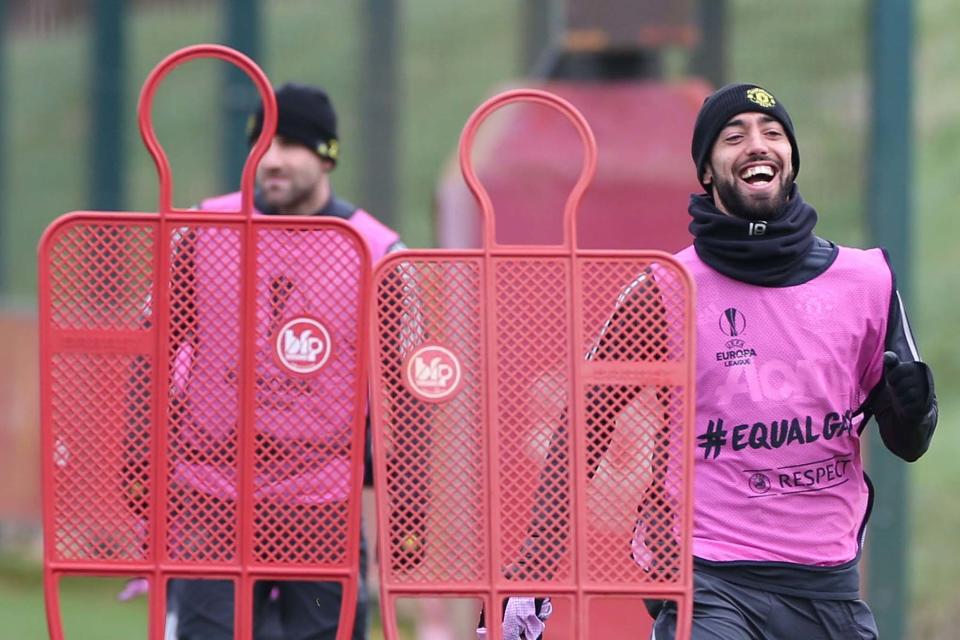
(305, 424)
(596, 502)
(101, 468)
(633, 432)
(435, 471)
(532, 356)
(101, 337)
(101, 276)
(100, 279)
(204, 355)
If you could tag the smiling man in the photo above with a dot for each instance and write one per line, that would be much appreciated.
(821, 344)
(751, 168)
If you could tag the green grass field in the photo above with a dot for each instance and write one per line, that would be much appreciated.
(454, 53)
(90, 610)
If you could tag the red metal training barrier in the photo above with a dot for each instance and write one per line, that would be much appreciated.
(533, 411)
(203, 390)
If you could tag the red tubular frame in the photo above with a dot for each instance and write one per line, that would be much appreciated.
(498, 587)
(244, 571)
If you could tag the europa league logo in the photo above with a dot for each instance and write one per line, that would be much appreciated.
(732, 323)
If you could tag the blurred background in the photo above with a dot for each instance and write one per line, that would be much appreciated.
(871, 85)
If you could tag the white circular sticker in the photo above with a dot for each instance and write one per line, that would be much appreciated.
(432, 373)
(302, 345)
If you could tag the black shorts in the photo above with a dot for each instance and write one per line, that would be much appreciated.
(726, 611)
(295, 611)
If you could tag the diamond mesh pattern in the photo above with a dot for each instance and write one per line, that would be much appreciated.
(204, 352)
(434, 461)
(617, 517)
(650, 297)
(101, 276)
(100, 304)
(305, 425)
(633, 432)
(97, 292)
(532, 355)
(100, 456)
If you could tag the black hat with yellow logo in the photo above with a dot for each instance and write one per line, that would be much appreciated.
(305, 115)
(727, 102)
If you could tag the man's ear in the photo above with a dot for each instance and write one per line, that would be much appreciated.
(707, 175)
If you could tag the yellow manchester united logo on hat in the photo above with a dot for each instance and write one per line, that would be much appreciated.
(329, 149)
(761, 97)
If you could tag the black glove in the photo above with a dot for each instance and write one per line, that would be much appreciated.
(908, 385)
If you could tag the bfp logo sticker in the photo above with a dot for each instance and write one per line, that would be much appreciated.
(302, 345)
(432, 373)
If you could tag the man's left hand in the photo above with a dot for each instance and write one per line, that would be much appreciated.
(909, 388)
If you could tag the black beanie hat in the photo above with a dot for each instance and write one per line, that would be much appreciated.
(727, 102)
(305, 115)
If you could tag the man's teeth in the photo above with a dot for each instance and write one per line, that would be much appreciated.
(761, 170)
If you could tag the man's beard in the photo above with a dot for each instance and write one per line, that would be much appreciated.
(287, 199)
(739, 206)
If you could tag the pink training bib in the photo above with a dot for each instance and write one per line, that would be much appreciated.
(781, 372)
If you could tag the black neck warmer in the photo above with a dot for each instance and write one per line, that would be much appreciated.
(764, 253)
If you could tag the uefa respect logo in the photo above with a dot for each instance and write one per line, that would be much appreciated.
(302, 345)
(432, 373)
